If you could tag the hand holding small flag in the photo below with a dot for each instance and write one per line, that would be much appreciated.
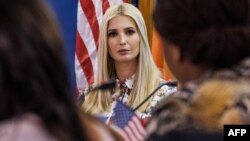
(128, 123)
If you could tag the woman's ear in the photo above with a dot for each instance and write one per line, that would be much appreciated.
(175, 51)
(171, 51)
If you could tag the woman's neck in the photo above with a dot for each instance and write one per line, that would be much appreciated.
(125, 70)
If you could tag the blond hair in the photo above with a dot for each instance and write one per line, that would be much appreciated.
(147, 77)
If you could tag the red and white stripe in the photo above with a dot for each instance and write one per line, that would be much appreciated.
(89, 16)
(134, 131)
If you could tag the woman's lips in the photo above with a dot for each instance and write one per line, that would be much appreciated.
(123, 51)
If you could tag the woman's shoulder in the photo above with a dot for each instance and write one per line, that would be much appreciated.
(167, 87)
(23, 128)
(226, 98)
(164, 89)
(85, 91)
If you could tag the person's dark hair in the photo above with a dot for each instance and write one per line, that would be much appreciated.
(33, 74)
(214, 33)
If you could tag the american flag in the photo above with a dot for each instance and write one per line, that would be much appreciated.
(129, 124)
(89, 17)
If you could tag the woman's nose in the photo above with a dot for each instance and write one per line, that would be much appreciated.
(123, 40)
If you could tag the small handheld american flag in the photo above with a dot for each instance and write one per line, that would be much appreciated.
(129, 123)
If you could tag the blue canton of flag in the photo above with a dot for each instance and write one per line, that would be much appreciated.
(129, 123)
(122, 114)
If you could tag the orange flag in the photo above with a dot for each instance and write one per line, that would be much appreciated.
(157, 52)
(146, 7)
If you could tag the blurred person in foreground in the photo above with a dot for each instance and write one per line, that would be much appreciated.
(124, 55)
(35, 99)
(207, 49)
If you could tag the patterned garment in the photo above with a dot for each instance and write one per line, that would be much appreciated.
(123, 93)
(162, 116)
(240, 71)
(126, 87)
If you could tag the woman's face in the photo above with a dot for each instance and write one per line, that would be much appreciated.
(123, 39)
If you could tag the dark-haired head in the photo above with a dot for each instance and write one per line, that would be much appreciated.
(33, 77)
(211, 33)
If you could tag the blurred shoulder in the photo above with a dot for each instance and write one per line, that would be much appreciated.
(226, 102)
(26, 127)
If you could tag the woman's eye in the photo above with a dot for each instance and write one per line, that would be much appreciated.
(130, 32)
(112, 34)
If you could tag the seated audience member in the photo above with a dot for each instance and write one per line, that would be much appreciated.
(35, 99)
(207, 49)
